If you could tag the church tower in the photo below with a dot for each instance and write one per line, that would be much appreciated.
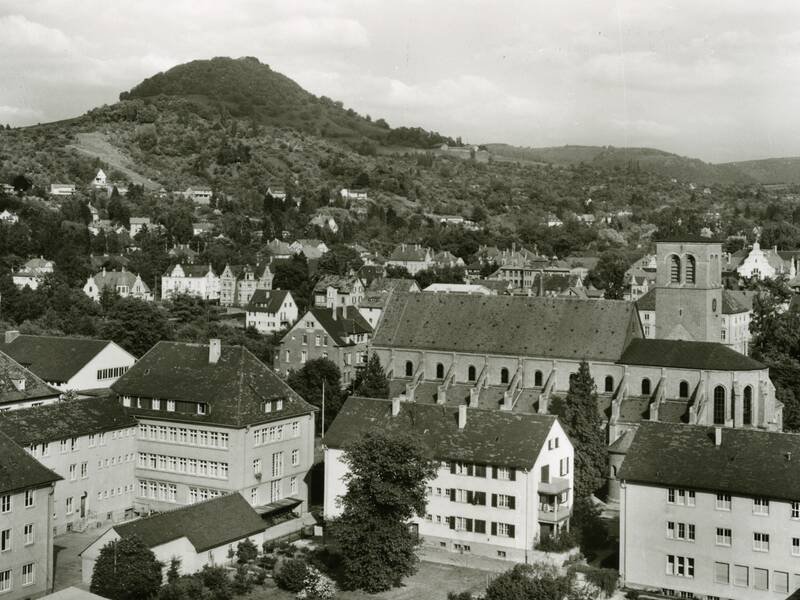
(689, 289)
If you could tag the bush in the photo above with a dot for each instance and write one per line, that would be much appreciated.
(459, 595)
(317, 586)
(246, 551)
(242, 583)
(290, 574)
(563, 541)
(216, 580)
(605, 579)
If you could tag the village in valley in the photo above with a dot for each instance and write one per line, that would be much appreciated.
(255, 344)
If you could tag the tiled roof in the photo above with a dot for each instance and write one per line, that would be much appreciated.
(341, 326)
(409, 252)
(267, 301)
(206, 525)
(53, 358)
(342, 283)
(679, 354)
(732, 302)
(11, 372)
(491, 436)
(191, 270)
(234, 388)
(112, 279)
(393, 284)
(509, 325)
(72, 418)
(743, 298)
(688, 238)
(19, 470)
(374, 299)
(648, 301)
(748, 462)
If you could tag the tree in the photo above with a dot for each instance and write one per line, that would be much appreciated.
(174, 571)
(246, 551)
(339, 260)
(371, 381)
(136, 325)
(584, 427)
(523, 582)
(293, 275)
(609, 274)
(307, 382)
(386, 478)
(126, 569)
(397, 271)
(425, 277)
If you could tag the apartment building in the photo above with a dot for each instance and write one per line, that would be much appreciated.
(333, 291)
(91, 444)
(69, 363)
(195, 280)
(271, 310)
(124, 283)
(26, 538)
(711, 513)
(505, 480)
(238, 283)
(213, 420)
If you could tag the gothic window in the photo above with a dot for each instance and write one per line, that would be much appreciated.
(691, 269)
(719, 405)
(471, 373)
(537, 379)
(439, 371)
(645, 387)
(674, 269)
(714, 305)
(747, 406)
(503, 375)
(409, 368)
(609, 384)
(683, 389)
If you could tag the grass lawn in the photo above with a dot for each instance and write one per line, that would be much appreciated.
(432, 582)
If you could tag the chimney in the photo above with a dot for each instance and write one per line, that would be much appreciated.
(214, 350)
(11, 335)
(395, 406)
(718, 436)
(462, 416)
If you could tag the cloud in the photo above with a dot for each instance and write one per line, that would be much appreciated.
(15, 114)
(319, 32)
(19, 36)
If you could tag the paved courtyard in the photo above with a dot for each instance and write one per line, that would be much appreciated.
(67, 562)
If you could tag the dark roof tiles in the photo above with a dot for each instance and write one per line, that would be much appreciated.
(679, 354)
(19, 470)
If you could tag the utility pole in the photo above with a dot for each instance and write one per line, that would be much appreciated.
(323, 409)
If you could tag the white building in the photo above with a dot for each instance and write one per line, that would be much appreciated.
(69, 363)
(33, 272)
(100, 180)
(62, 189)
(766, 264)
(354, 194)
(9, 217)
(271, 310)
(196, 280)
(139, 223)
(123, 282)
(459, 288)
(201, 196)
(504, 481)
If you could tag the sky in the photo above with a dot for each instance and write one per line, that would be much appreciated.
(713, 79)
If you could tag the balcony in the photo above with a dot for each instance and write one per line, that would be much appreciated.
(553, 513)
(556, 485)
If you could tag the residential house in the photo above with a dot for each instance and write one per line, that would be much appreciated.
(504, 481)
(354, 194)
(214, 420)
(445, 258)
(9, 217)
(62, 189)
(279, 249)
(325, 222)
(195, 280)
(332, 291)
(183, 253)
(139, 223)
(21, 388)
(198, 535)
(26, 535)
(710, 512)
(94, 213)
(271, 310)
(100, 180)
(767, 264)
(394, 284)
(33, 272)
(371, 306)
(69, 363)
(412, 257)
(553, 221)
(200, 196)
(202, 228)
(457, 221)
(311, 248)
(239, 282)
(338, 334)
(124, 283)
(535, 275)
(91, 444)
(278, 193)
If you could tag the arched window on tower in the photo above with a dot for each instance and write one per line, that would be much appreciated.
(645, 387)
(503, 375)
(747, 406)
(683, 389)
(609, 384)
(719, 405)
(471, 373)
(691, 269)
(409, 368)
(439, 371)
(674, 269)
(537, 379)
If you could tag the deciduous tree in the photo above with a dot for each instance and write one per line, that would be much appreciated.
(371, 381)
(126, 569)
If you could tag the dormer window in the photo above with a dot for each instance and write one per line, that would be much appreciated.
(201, 408)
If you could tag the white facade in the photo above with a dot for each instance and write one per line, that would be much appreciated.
(270, 322)
(130, 286)
(101, 371)
(182, 280)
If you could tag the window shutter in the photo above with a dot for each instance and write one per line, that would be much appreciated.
(494, 500)
(470, 497)
(511, 502)
(452, 494)
(494, 472)
(512, 474)
(480, 470)
(494, 528)
(468, 524)
(452, 522)
(452, 467)
(511, 531)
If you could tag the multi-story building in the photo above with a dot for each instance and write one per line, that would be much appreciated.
(69, 363)
(412, 257)
(332, 291)
(91, 444)
(341, 335)
(213, 420)
(21, 388)
(769, 263)
(196, 280)
(271, 311)
(124, 283)
(311, 248)
(710, 512)
(238, 283)
(504, 480)
(33, 272)
(26, 537)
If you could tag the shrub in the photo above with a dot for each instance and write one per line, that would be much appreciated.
(317, 586)
(563, 541)
(459, 595)
(290, 574)
(246, 551)
(605, 579)
(216, 580)
(242, 583)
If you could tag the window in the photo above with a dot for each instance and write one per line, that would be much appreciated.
(277, 464)
(681, 566)
(295, 458)
(741, 575)
(471, 373)
(503, 375)
(84, 470)
(563, 466)
(760, 506)
(69, 509)
(170, 405)
(27, 532)
(723, 334)
(30, 497)
(5, 540)
(409, 368)
(295, 428)
(537, 379)
(5, 503)
(795, 546)
(714, 305)
(796, 510)
(747, 406)
(257, 465)
(674, 269)
(723, 502)
(275, 491)
(303, 356)
(691, 269)
(503, 530)
(723, 536)
(73, 472)
(760, 579)
(722, 573)
(254, 496)
(609, 383)
(719, 405)
(27, 574)
(5, 580)
(683, 389)
(645, 387)
(293, 485)
(439, 371)
(760, 542)
(780, 581)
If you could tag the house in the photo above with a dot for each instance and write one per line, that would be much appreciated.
(271, 310)
(586, 219)
(445, 258)
(201, 196)
(62, 189)
(239, 282)
(124, 283)
(311, 248)
(214, 420)
(9, 217)
(279, 249)
(459, 288)
(412, 257)
(332, 291)
(26, 535)
(371, 306)
(277, 193)
(91, 444)
(504, 480)
(539, 275)
(139, 223)
(553, 221)
(457, 221)
(21, 388)
(33, 272)
(325, 222)
(767, 264)
(183, 253)
(94, 213)
(394, 284)
(200, 534)
(195, 280)
(69, 363)
(710, 512)
(354, 194)
(202, 228)
(100, 180)
(338, 334)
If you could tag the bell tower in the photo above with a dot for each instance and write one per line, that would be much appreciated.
(689, 289)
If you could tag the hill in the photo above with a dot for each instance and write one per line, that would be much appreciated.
(771, 170)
